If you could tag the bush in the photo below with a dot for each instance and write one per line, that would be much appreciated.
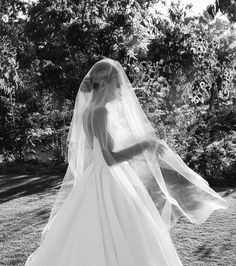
(206, 142)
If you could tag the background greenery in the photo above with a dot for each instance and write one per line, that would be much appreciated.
(182, 67)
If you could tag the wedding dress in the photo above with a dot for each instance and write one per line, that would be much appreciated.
(103, 214)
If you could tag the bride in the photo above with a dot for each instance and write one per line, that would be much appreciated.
(103, 214)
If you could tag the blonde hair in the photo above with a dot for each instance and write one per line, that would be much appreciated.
(100, 71)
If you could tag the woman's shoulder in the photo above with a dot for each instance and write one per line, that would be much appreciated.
(100, 112)
(95, 115)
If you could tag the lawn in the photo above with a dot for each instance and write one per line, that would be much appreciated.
(26, 202)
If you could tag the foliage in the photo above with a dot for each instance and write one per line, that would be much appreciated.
(206, 142)
(168, 49)
(197, 59)
(182, 68)
(70, 37)
(214, 65)
(9, 79)
(9, 84)
(227, 7)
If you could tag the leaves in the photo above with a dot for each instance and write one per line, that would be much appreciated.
(171, 61)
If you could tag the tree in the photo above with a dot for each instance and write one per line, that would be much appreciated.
(70, 36)
(227, 7)
(195, 57)
(17, 101)
(171, 51)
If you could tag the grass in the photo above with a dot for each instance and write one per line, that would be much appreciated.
(211, 243)
(26, 201)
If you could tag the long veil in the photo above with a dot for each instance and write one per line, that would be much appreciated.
(179, 191)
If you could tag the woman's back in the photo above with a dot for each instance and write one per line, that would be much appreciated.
(87, 115)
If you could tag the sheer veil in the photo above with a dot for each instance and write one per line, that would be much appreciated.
(179, 191)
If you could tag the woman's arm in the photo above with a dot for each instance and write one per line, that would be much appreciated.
(130, 152)
(106, 142)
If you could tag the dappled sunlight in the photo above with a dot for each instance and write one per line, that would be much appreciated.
(23, 218)
(178, 66)
(212, 242)
(14, 186)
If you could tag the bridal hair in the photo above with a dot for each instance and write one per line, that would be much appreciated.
(101, 71)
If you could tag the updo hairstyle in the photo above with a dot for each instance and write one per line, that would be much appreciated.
(100, 71)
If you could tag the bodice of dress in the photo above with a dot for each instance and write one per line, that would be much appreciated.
(95, 153)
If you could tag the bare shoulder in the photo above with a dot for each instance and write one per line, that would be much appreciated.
(100, 113)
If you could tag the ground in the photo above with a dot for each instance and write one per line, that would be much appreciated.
(26, 201)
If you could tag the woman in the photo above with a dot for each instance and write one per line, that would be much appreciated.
(103, 214)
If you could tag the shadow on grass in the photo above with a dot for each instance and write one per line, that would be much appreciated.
(203, 251)
(15, 186)
(22, 180)
(229, 191)
(226, 191)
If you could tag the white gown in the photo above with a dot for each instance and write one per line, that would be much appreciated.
(108, 219)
